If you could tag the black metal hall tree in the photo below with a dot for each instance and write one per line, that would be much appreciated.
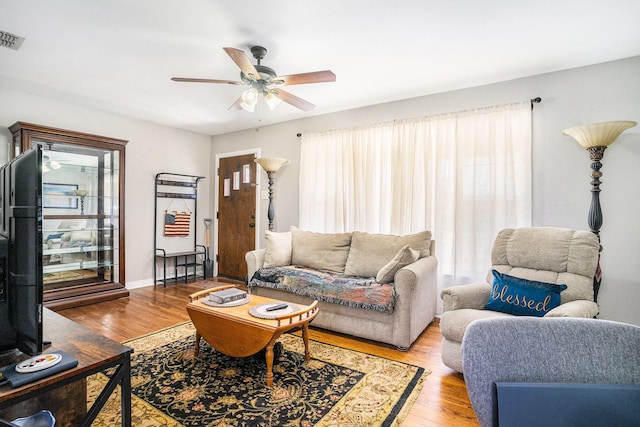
(178, 187)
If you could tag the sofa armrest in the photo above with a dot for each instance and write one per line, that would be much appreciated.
(420, 273)
(474, 295)
(416, 288)
(255, 261)
(577, 308)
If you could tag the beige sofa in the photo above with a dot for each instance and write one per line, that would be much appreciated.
(404, 263)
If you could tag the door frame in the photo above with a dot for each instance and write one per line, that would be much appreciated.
(216, 192)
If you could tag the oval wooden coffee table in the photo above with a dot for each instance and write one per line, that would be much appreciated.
(236, 333)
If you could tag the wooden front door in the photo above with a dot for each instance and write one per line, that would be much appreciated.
(236, 214)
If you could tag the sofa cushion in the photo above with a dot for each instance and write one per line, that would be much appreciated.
(370, 252)
(523, 297)
(404, 257)
(78, 237)
(277, 249)
(73, 224)
(322, 251)
(454, 323)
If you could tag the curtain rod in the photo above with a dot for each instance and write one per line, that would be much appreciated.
(535, 100)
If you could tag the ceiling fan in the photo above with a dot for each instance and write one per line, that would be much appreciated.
(264, 81)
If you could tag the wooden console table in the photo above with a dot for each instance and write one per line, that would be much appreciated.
(94, 352)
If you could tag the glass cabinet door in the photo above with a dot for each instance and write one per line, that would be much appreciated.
(82, 214)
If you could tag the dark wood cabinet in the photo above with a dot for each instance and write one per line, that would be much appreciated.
(83, 214)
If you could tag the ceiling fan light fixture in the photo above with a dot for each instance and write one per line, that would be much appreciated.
(49, 163)
(260, 77)
(250, 96)
(249, 99)
(272, 101)
(248, 107)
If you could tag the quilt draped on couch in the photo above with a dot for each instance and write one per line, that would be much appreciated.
(336, 288)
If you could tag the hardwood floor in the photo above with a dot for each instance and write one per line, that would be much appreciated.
(443, 401)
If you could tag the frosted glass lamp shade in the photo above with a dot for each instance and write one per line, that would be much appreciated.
(249, 100)
(598, 134)
(272, 101)
(270, 164)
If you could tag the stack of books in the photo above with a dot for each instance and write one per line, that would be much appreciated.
(227, 295)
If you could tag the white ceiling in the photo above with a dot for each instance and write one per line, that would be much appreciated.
(119, 55)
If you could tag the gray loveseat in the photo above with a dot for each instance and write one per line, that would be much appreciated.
(343, 271)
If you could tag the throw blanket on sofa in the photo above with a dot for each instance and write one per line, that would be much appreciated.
(336, 288)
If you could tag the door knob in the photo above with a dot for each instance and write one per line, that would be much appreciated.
(251, 224)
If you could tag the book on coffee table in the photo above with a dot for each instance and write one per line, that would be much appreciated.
(227, 295)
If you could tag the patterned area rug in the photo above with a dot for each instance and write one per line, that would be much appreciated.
(337, 387)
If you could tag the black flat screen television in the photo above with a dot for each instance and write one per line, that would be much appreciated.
(21, 253)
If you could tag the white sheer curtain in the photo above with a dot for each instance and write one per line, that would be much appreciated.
(464, 176)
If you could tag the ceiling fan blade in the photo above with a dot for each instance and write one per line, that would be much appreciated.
(236, 104)
(303, 78)
(293, 100)
(242, 60)
(188, 79)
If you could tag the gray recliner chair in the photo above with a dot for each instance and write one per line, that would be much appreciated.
(544, 254)
(560, 351)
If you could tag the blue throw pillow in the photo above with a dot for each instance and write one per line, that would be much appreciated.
(523, 297)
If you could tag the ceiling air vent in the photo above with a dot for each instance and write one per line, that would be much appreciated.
(10, 40)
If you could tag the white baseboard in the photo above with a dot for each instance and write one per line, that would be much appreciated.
(139, 284)
(149, 282)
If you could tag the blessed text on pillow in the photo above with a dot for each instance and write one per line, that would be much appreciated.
(523, 297)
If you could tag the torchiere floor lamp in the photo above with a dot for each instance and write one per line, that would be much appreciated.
(82, 194)
(270, 166)
(595, 138)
